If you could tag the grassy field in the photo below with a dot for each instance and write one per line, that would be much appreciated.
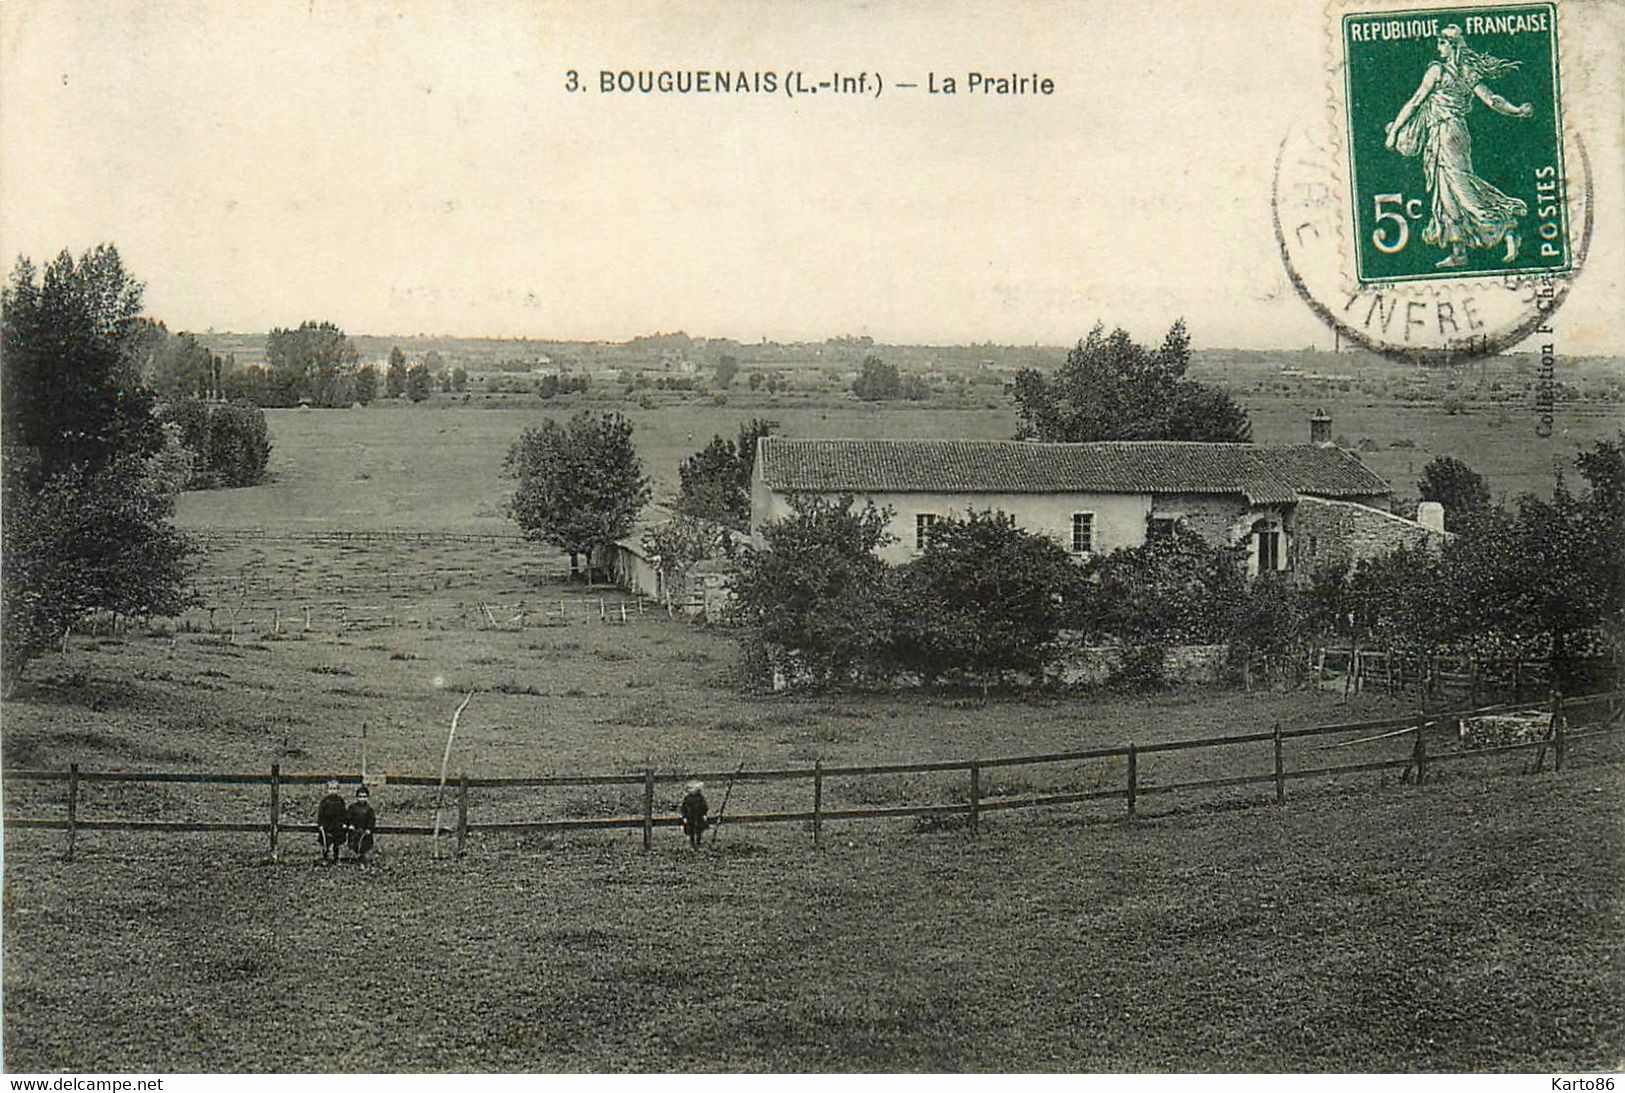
(1441, 928)
(439, 465)
(1470, 923)
(1474, 922)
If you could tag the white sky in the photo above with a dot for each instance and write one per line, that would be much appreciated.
(418, 167)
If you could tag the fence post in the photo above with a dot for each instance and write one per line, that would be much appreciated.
(648, 809)
(1133, 779)
(975, 797)
(276, 805)
(73, 806)
(1420, 753)
(1517, 678)
(1280, 769)
(818, 802)
(462, 813)
(1558, 731)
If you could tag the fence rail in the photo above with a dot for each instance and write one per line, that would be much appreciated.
(1604, 708)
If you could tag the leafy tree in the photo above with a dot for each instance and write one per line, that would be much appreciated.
(812, 597)
(1111, 388)
(709, 483)
(366, 385)
(727, 369)
(176, 365)
(877, 381)
(85, 521)
(419, 383)
(395, 378)
(459, 378)
(1462, 491)
(1173, 589)
(984, 599)
(581, 485)
(239, 445)
(314, 362)
(754, 380)
(714, 483)
(71, 395)
(680, 544)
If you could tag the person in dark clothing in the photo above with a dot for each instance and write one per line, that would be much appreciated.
(693, 810)
(362, 821)
(332, 820)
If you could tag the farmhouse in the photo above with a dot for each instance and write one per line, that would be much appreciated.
(1295, 507)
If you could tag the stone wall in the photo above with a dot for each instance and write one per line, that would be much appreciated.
(1326, 532)
(1092, 665)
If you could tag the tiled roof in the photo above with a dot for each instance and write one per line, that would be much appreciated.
(1265, 475)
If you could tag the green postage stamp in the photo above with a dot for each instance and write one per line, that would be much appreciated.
(1455, 143)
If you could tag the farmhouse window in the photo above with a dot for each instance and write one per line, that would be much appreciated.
(1162, 527)
(1269, 550)
(922, 528)
(1083, 532)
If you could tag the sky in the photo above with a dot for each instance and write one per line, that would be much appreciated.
(422, 167)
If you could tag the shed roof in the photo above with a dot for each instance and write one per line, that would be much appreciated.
(1265, 475)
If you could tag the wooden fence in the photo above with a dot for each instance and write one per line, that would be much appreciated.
(1472, 678)
(1601, 712)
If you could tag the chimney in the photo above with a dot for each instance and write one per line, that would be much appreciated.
(1430, 514)
(1320, 429)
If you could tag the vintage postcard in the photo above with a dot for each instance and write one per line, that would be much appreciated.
(874, 536)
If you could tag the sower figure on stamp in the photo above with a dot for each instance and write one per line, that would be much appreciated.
(1466, 210)
(362, 821)
(693, 810)
(332, 820)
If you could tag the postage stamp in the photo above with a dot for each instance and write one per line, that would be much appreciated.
(1455, 142)
(1442, 208)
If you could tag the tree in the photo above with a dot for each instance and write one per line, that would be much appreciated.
(1461, 490)
(1172, 589)
(71, 395)
(727, 369)
(1111, 388)
(581, 485)
(714, 483)
(419, 383)
(877, 381)
(984, 599)
(459, 378)
(680, 544)
(811, 599)
(395, 378)
(754, 381)
(316, 361)
(239, 445)
(85, 519)
(366, 385)
(176, 365)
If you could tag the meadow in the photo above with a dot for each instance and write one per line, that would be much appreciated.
(1468, 923)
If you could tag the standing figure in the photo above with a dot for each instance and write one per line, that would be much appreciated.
(693, 810)
(362, 821)
(1466, 210)
(332, 819)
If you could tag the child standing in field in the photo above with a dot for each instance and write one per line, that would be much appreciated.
(361, 820)
(693, 810)
(332, 820)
